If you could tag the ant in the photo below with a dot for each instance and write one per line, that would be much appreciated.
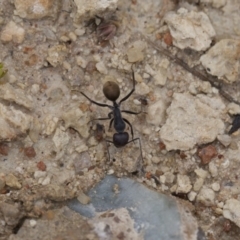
(111, 91)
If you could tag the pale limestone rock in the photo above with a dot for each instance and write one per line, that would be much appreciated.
(215, 3)
(102, 68)
(56, 55)
(83, 198)
(12, 32)
(13, 122)
(215, 186)
(198, 184)
(233, 108)
(160, 77)
(50, 124)
(75, 118)
(90, 8)
(192, 120)
(134, 55)
(190, 29)
(8, 93)
(192, 195)
(81, 61)
(12, 181)
(231, 210)
(122, 214)
(156, 112)
(183, 184)
(142, 89)
(206, 196)
(60, 138)
(222, 60)
(35, 129)
(224, 139)
(11, 213)
(36, 9)
(213, 169)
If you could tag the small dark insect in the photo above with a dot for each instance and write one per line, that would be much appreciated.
(105, 30)
(235, 124)
(111, 91)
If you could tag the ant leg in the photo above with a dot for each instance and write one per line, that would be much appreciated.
(106, 118)
(130, 112)
(97, 103)
(130, 125)
(110, 124)
(133, 89)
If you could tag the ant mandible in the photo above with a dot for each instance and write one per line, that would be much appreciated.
(111, 91)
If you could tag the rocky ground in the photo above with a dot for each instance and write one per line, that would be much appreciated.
(185, 58)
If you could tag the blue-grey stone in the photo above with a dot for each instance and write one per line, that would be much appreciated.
(156, 215)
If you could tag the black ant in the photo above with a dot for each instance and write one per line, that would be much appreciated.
(111, 91)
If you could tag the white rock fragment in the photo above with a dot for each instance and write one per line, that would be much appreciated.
(135, 53)
(198, 184)
(89, 8)
(222, 60)
(192, 120)
(156, 112)
(39, 174)
(213, 169)
(160, 77)
(192, 195)
(50, 124)
(215, 3)
(13, 122)
(224, 139)
(83, 198)
(75, 118)
(12, 32)
(142, 88)
(56, 55)
(231, 210)
(233, 108)
(12, 181)
(206, 196)
(36, 9)
(46, 181)
(201, 173)
(169, 177)
(81, 61)
(190, 29)
(102, 68)
(33, 223)
(8, 93)
(215, 186)
(60, 139)
(183, 184)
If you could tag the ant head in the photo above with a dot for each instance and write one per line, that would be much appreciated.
(120, 139)
(111, 90)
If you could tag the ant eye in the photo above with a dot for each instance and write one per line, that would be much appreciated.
(111, 90)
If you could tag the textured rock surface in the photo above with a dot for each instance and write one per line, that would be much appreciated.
(12, 32)
(76, 119)
(192, 121)
(152, 215)
(70, 226)
(13, 122)
(93, 7)
(222, 60)
(36, 9)
(231, 211)
(190, 29)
